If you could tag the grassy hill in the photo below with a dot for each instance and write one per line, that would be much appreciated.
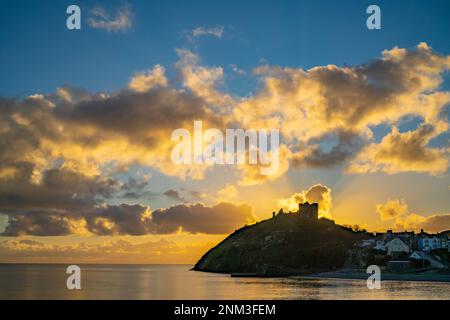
(284, 245)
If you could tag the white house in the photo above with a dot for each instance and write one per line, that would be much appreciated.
(396, 246)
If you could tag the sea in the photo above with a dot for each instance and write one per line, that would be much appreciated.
(178, 282)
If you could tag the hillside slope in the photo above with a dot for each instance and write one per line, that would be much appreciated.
(284, 245)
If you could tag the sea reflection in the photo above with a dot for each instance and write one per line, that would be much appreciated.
(178, 282)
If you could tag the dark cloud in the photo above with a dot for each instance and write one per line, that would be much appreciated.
(144, 194)
(131, 220)
(409, 147)
(122, 219)
(58, 189)
(330, 150)
(431, 223)
(141, 117)
(173, 194)
(436, 223)
(403, 151)
(135, 189)
(193, 194)
(22, 125)
(39, 223)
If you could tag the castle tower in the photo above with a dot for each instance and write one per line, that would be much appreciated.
(309, 211)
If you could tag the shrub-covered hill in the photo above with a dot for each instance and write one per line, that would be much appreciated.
(284, 245)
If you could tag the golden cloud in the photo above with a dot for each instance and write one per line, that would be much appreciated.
(144, 81)
(392, 209)
(402, 152)
(338, 106)
(396, 210)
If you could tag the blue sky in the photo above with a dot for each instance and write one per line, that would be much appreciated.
(39, 54)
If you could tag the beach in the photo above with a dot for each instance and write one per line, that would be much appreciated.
(385, 276)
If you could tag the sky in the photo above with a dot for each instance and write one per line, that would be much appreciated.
(87, 115)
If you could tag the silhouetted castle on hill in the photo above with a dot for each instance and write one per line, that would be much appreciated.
(309, 211)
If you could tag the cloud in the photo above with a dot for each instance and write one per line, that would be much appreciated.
(436, 223)
(397, 211)
(325, 116)
(318, 193)
(403, 152)
(144, 81)
(136, 188)
(55, 204)
(127, 219)
(43, 224)
(58, 189)
(123, 219)
(118, 251)
(433, 223)
(227, 193)
(198, 195)
(344, 146)
(251, 174)
(392, 209)
(237, 70)
(173, 194)
(90, 133)
(101, 19)
(327, 113)
(216, 32)
(201, 80)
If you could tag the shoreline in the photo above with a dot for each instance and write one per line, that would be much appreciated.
(385, 276)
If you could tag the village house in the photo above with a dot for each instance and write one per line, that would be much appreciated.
(396, 247)
(431, 243)
(402, 251)
(431, 261)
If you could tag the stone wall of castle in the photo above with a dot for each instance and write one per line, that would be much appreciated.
(309, 211)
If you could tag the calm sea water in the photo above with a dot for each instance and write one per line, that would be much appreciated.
(178, 282)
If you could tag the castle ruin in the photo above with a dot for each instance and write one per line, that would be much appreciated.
(309, 211)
